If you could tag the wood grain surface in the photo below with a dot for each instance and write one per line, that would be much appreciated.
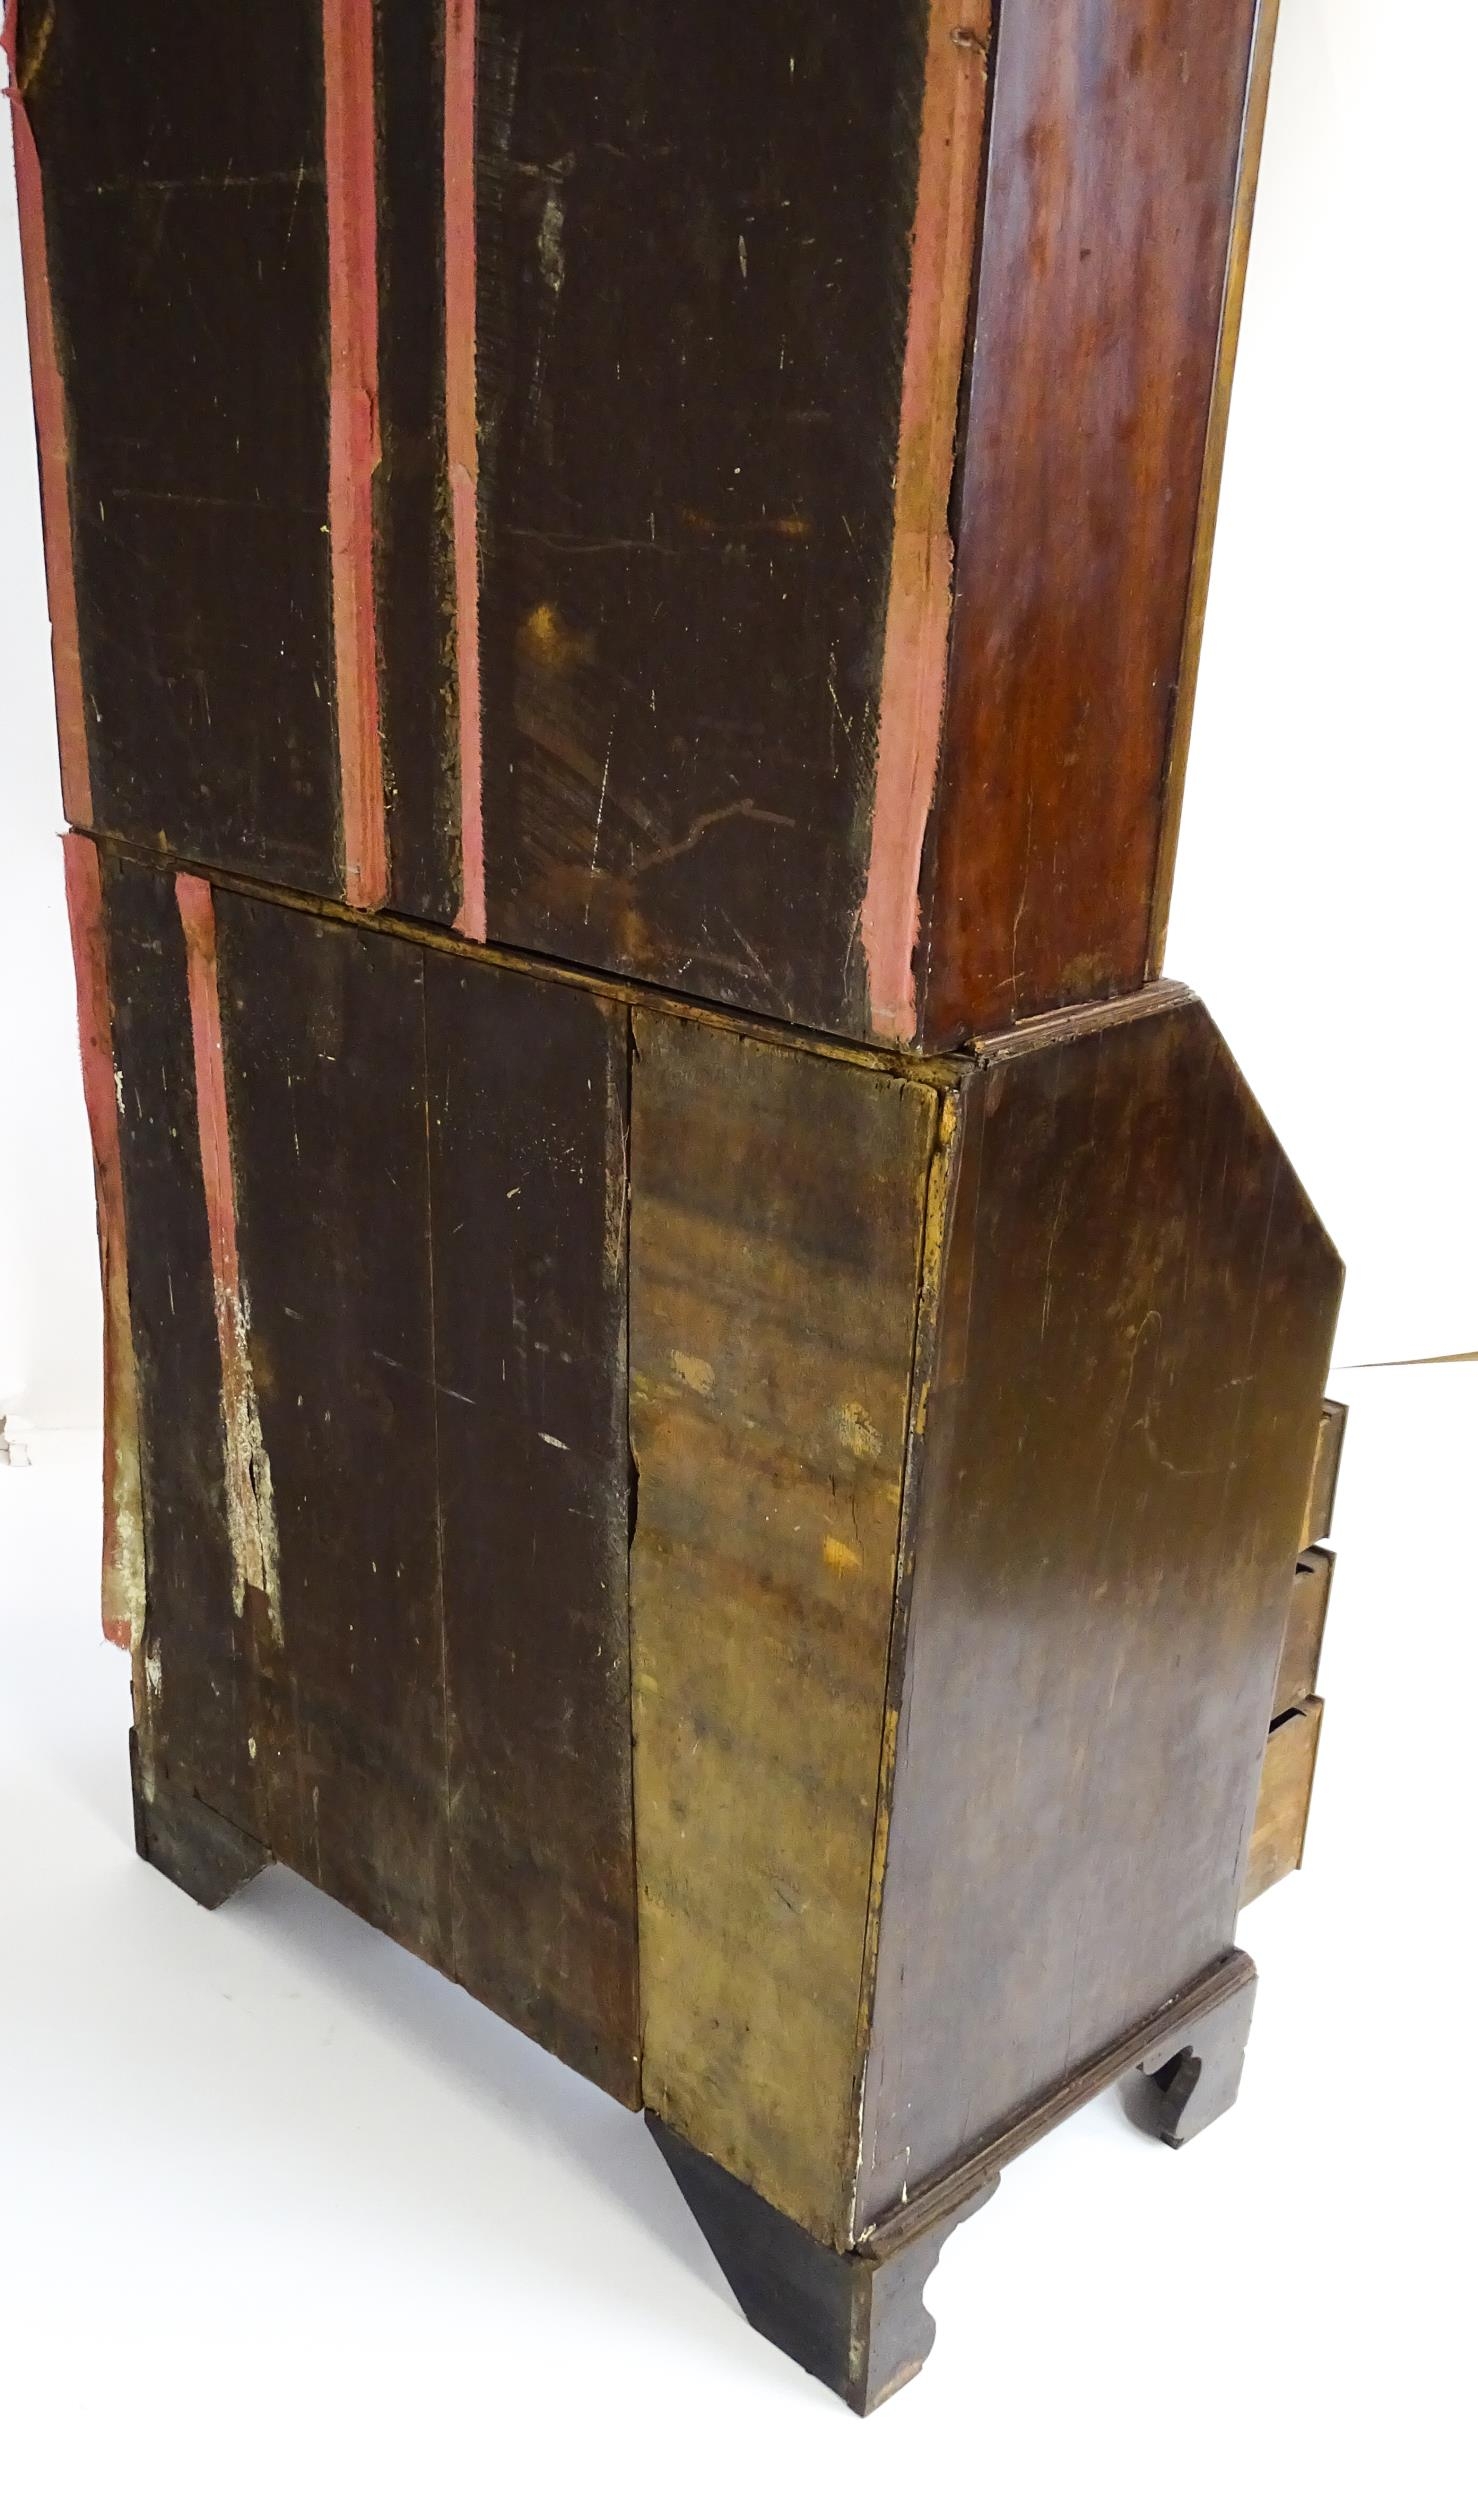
(1283, 1798)
(1112, 189)
(1136, 1317)
(379, 1304)
(776, 1238)
(521, 467)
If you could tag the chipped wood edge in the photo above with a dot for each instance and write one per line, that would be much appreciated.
(250, 1513)
(1254, 121)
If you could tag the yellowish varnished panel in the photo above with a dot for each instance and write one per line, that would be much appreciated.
(776, 1237)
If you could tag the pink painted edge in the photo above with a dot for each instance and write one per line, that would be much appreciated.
(459, 192)
(354, 435)
(51, 440)
(916, 633)
(84, 892)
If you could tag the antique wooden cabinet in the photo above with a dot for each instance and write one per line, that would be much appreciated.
(713, 1387)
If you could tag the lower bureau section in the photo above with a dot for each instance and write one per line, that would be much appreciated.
(765, 1561)
(374, 1211)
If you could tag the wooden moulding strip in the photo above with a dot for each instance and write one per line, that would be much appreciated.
(123, 1527)
(459, 189)
(916, 633)
(249, 1511)
(51, 441)
(354, 435)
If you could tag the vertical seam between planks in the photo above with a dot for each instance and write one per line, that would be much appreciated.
(437, 1498)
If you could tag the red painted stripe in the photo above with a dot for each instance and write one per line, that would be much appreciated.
(459, 188)
(354, 434)
(51, 438)
(249, 1512)
(198, 920)
(123, 1587)
(916, 635)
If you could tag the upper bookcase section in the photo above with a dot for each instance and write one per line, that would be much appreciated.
(721, 497)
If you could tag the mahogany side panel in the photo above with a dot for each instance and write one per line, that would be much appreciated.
(1137, 1310)
(1112, 191)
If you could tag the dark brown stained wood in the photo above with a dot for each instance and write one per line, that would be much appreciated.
(326, 1085)
(1283, 1798)
(511, 463)
(527, 1095)
(421, 1343)
(1303, 1638)
(413, 552)
(1136, 1315)
(375, 1200)
(693, 243)
(1112, 193)
(200, 1688)
(182, 161)
(1324, 1481)
(776, 1239)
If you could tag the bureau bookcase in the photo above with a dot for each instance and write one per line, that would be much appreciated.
(714, 1388)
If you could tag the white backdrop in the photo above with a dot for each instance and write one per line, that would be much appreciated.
(1328, 887)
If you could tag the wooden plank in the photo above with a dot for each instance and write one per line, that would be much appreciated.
(685, 571)
(182, 168)
(414, 589)
(527, 1146)
(1283, 1798)
(1112, 189)
(377, 1199)
(1298, 1661)
(1324, 1479)
(1136, 1316)
(325, 1065)
(776, 1223)
(199, 1693)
